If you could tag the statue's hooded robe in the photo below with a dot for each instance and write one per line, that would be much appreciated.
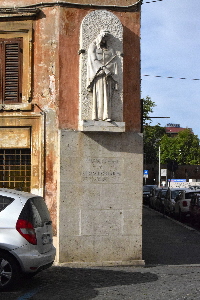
(101, 67)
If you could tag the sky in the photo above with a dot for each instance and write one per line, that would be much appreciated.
(170, 47)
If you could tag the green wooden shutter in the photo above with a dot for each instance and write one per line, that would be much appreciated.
(11, 70)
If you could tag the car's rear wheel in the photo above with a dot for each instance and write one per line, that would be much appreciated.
(9, 271)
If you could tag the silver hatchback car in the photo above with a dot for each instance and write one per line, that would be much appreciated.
(25, 236)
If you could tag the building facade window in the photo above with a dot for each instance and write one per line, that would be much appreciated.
(11, 60)
(22, 152)
(15, 63)
(15, 169)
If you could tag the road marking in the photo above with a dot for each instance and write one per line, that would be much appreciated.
(29, 294)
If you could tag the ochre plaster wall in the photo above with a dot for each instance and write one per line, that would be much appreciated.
(70, 22)
(46, 97)
(56, 45)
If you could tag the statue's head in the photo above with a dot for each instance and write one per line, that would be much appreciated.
(102, 37)
(104, 32)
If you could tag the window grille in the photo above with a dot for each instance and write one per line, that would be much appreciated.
(15, 169)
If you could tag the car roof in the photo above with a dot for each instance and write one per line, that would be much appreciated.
(24, 196)
(192, 191)
(179, 189)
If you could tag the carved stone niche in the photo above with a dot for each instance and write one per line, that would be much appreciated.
(101, 73)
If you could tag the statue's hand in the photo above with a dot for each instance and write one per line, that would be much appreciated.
(101, 72)
(107, 71)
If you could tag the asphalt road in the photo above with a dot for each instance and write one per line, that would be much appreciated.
(167, 241)
(172, 271)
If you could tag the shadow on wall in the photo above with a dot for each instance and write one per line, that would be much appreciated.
(128, 142)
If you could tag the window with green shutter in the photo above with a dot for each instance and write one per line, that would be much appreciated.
(11, 56)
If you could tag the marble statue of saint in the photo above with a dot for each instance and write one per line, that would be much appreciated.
(101, 69)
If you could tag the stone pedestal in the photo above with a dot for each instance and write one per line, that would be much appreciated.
(100, 209)
(102, 126)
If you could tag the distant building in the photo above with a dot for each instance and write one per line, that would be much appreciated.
(173, 129)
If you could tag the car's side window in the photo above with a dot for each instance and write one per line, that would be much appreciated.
(35, 211)
(37, 221)
(5, 201)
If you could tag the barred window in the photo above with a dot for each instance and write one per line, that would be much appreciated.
(15, 169)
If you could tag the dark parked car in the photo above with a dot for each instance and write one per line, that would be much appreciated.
(153, 197)
(194, 209)
(147, 192)
(159, 205)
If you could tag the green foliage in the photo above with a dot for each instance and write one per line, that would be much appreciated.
(183, 148)
(147, 105)
(152, 134)
(152, 137)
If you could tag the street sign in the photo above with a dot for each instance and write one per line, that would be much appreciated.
(163, 172)
(146, 173)
(177, 180)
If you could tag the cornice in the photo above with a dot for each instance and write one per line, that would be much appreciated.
(33, 9)
(22, 12)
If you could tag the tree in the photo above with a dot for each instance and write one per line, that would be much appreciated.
(152, 134)
(184, 148)
(147, 107)
(152, 137)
